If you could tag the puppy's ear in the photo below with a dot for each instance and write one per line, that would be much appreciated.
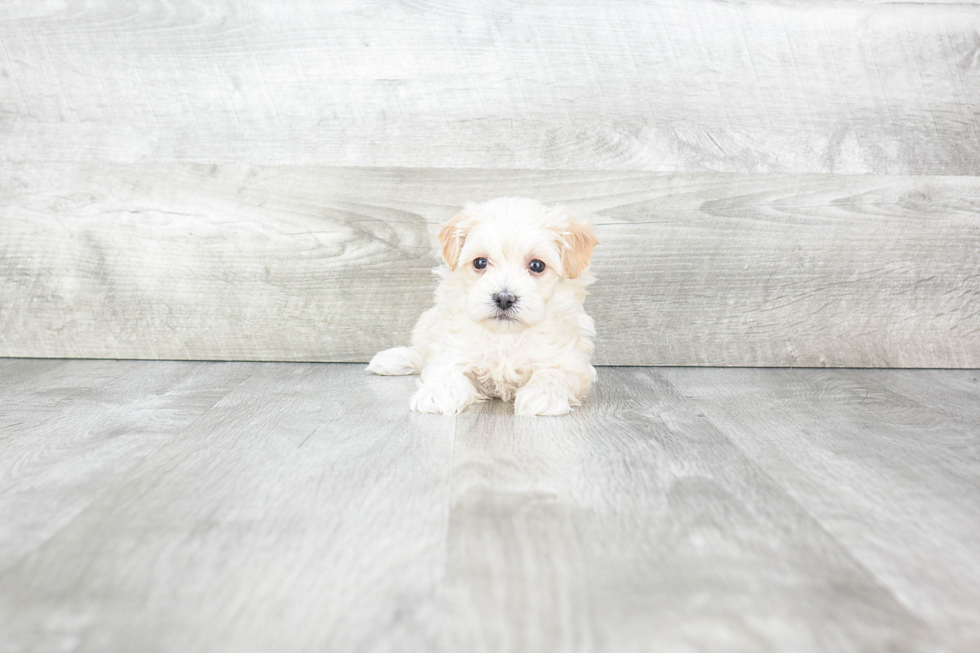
(452, 235)
(576, 251)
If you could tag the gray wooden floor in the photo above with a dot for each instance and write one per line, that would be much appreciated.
(164, 506)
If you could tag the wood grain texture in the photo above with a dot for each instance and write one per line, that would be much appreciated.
(230, 262)
(675, 85)
(266, 524)
(255, 507)
(635, 525)
(70, 431)
(889, 463)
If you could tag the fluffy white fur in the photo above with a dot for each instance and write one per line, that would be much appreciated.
(469, 349)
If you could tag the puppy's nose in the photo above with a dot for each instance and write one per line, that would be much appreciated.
(505, 299)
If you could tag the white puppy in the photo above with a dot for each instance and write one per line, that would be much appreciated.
(508, 320)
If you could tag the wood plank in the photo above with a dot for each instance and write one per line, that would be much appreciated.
(636, 525)
(887, 461)
(72, 430)
(671, 86)
(305, 510)
(232, 262)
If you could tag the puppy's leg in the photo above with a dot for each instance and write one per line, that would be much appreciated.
(398, 361)
(444, 390)
(549, 392)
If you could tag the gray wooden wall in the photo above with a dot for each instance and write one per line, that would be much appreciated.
(774, 182)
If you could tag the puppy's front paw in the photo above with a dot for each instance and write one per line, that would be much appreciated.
(532, 400)
(444, 397)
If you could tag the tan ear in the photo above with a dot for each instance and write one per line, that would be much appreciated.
(452, 235)
(576, 253)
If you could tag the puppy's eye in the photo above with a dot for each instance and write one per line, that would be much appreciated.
(536, 266)
(480, 263)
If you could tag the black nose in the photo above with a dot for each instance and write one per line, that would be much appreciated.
(505, 299)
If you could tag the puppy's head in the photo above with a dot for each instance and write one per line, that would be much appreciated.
(512, 255)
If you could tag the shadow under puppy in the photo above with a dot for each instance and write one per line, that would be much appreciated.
(508, 319)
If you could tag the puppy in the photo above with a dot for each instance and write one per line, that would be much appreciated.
(508, 320)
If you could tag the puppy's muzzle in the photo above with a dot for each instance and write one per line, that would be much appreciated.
(504, 299)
